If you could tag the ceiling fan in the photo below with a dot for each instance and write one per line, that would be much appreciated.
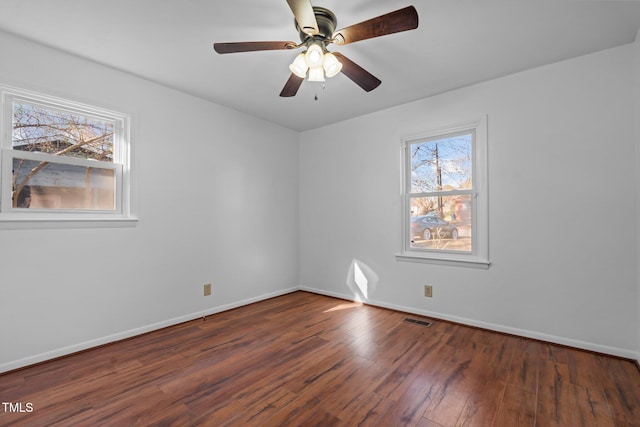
(317, 29)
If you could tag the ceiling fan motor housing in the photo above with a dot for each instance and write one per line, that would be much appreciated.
(326, 25)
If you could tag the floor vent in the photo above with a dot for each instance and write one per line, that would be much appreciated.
(417, 322)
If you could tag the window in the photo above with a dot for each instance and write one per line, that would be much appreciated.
(62, 160)
(445, 206)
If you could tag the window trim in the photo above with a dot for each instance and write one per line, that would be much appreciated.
(479, 255)
(20, 218)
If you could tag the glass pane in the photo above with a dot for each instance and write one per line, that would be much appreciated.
(442, 223)
(47, 185)
(48, 130)
(441, 164)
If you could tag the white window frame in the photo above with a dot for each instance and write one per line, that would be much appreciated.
(479, 255)
(11, 217)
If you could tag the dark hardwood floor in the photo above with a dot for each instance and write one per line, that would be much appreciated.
(303, 360)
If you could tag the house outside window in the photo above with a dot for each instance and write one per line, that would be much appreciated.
(62, 160)
(445, 196)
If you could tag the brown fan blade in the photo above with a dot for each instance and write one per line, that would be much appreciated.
(235, 47)
(305, 16)
(291, 86)
(393, 22)
(359, 75)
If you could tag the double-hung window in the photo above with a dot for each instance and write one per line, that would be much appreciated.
(445, 199)
(62, 160)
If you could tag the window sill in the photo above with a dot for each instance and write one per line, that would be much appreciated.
(22, 223)
(448, 260)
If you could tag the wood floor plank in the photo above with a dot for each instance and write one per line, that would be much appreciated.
(355, 380)
(425, 362)
(556, 402)
(524, 367)
(485, 398)
(517, 409)
(306, 359)
(365, 410)
(622, 391)
(592, 409)
(272, 401)
(410, 407)
(467, 366)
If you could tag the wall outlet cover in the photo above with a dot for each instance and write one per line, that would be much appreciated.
(428, 291)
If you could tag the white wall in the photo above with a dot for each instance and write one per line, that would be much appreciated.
(217, 202)
(562, 206)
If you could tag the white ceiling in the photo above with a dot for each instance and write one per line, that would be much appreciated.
(458, 43)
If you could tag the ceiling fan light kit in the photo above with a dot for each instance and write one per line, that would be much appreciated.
(318, 63)
(317, 29)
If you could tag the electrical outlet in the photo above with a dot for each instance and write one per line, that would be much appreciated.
(428, 291)
(207, 289)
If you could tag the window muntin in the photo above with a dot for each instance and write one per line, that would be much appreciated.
(61, 159)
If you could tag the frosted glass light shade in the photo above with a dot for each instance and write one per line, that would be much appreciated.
(331, 64)
(314, 56)
(299, 66)
(316, 74)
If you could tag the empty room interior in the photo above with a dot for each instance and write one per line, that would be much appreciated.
(320, 213)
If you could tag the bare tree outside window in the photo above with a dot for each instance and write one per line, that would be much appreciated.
(441, 181)
(54, 179)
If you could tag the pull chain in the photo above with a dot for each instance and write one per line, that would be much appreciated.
(315, 98)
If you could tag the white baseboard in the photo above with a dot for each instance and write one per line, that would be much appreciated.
(614, 351)
(64, 351)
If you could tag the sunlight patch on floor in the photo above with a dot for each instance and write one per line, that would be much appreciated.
(344, 306)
